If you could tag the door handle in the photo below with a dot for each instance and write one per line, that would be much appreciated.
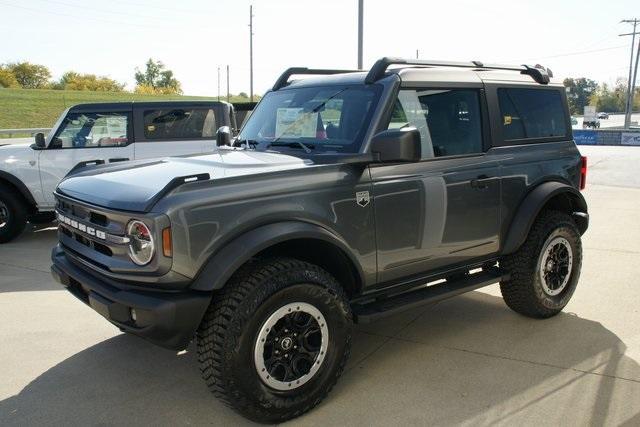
(118, 159)
(481, 182)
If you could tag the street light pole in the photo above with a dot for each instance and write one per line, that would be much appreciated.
(251, 52)
(632, 77)
(228, 98)
(360, 35)
(218, 83)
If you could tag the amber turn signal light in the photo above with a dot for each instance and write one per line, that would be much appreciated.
(166, 242)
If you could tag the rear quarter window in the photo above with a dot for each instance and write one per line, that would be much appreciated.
(179, 123)
(527, 115)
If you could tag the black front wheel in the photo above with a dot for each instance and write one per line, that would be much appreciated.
(13, 215)
(276, 339)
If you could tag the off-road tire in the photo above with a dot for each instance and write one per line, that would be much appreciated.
(523, 291)
(229, 330)
(17, 214)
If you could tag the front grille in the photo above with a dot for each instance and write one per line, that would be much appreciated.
(83, 213)
(92, 233)
(98, 219)
(97, 246)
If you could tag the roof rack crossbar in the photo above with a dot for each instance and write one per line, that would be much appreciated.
(284, 77)
(540, 75)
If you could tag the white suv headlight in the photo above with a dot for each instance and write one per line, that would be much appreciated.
(141, 245)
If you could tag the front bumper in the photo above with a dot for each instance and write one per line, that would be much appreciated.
(168, 319)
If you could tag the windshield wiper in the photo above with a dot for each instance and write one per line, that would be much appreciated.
(287, 144)
(248, 142)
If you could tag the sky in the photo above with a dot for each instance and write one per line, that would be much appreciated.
(195, 37)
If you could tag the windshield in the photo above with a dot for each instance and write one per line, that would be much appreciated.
(320, 119)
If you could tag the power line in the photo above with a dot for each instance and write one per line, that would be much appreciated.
(83, 7)
(81, 18)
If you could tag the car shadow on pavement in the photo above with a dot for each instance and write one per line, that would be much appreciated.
(25, 261)
(124, 380)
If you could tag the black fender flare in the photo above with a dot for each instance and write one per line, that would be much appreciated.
(219, 268)
(22, 189)
(533, 204)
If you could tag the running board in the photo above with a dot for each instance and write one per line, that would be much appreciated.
(370, 311)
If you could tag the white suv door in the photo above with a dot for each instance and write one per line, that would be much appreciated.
(84, 137)
(174, 131)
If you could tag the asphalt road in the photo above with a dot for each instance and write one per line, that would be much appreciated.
(614, 121)
(468, 360)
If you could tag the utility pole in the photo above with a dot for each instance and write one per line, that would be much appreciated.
(251, 52)
(632, 76)
(228, 98)
(218, 83)
(417, 53)
(360, 29)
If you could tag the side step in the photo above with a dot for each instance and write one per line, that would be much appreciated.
(370, 311)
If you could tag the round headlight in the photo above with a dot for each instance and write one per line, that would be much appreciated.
(141, 246)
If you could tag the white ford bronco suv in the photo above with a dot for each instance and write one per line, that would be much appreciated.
(89, 134)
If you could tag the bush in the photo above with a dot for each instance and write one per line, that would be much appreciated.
(7, 78)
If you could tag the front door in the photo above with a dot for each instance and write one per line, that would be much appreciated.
(174, 131)
(444, 210)
(84, 137)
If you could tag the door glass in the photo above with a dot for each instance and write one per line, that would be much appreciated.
(91, 130)
(449, 121)
(179, 123)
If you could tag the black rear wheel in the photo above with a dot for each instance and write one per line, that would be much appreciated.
(544, 271)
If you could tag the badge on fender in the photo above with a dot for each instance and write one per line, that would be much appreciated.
(362, 198)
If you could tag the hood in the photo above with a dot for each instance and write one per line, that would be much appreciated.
(136, 186)
(9, 147)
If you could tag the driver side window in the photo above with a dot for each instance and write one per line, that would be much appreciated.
(92, 130)
(449, 121)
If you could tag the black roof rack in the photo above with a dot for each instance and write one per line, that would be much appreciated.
(284, 77)
(540, 74)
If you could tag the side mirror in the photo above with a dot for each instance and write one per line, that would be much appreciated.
(223, 136)
(40, 144)
(397, 145)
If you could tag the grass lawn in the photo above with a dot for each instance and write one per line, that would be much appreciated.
(35, 108)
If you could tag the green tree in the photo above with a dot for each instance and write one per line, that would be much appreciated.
(579, 93)
(610, 100)
(7, 78)
(30, 76)
(76, 81)
(158, 78)
(243, 95)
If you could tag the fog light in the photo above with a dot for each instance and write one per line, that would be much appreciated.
(134, 316)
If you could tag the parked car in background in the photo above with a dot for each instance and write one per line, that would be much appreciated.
(89, 134)
(574, 121)
(603, 115)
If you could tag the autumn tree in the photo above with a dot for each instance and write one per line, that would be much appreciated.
(30, 76)
(156, 78)
(72, 80)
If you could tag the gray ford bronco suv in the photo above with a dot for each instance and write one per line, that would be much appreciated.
(347, 196)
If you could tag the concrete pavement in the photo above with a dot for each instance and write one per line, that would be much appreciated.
(468, 360)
